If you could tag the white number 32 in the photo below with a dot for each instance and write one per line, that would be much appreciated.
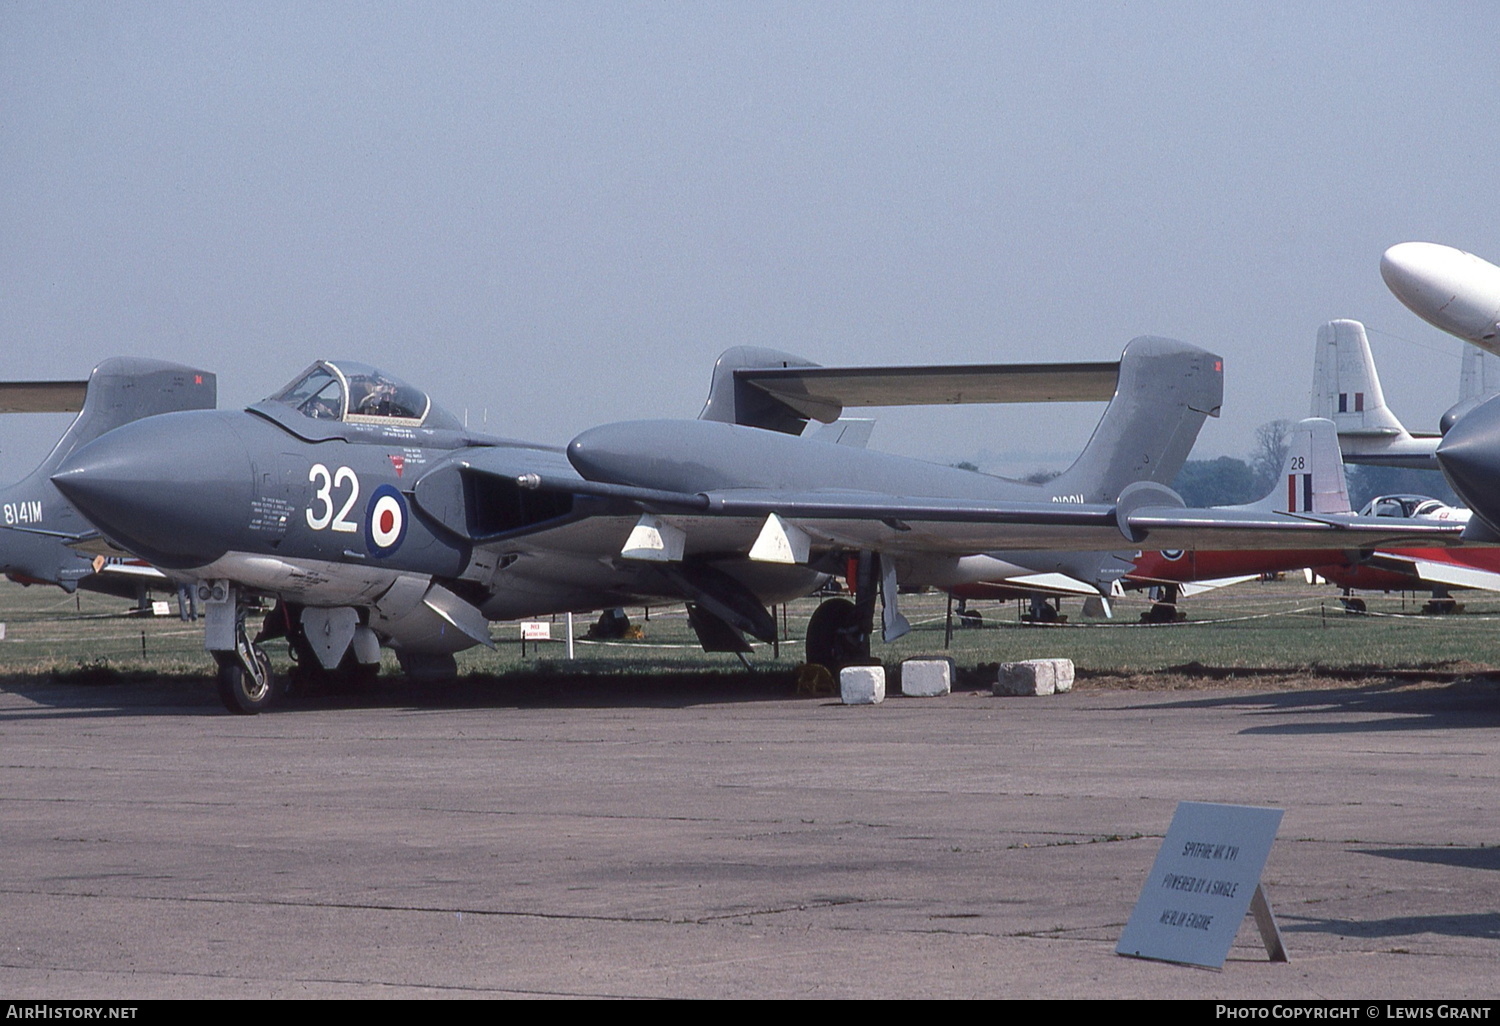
(323, 498)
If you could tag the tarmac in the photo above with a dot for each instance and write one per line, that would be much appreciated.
(603, 840)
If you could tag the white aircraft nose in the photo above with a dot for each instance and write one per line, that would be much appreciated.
(1448, 288)
(1419, 273)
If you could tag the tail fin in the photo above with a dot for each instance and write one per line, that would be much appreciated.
(1346, 387)
(1312, 479)
(39, 523)
(1164, 391)
(731, 401)
(126, 388)
(1479, 377)
(1346, 390)
(1478, 381)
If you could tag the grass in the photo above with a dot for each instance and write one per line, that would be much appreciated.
(1255, 626)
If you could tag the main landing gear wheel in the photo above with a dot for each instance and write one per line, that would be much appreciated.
(241, 691)
(834, 637)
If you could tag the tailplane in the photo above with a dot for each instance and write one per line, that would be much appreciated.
(1159, 394)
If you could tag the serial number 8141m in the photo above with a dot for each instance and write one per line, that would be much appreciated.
(23, 512)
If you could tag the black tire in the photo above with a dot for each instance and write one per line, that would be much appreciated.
(833, 636)
(1160, 612)
(239, 691)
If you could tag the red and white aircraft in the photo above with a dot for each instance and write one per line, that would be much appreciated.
(1347, 391)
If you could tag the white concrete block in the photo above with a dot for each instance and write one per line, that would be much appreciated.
(924, 678)
(862, 685)
(1034, 677)
(1064, 680)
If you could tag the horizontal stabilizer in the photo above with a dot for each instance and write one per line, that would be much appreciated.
(777, 391)
(823, 393)
(42, 396)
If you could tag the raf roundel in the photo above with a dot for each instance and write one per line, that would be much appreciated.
(385, 521)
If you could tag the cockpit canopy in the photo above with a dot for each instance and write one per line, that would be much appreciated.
(1406, 506)
(356, 393)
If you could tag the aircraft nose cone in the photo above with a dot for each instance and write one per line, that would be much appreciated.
(1470, 458)
(173, 489)
(1450, 289)
(1421, 275)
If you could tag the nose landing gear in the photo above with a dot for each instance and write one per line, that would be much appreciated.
(246, 684)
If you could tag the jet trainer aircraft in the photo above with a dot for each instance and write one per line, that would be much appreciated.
(374, 518)
(1312, 481)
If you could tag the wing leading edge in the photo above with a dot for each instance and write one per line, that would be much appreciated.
(1148, 515)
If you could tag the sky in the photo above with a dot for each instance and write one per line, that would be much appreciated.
(555, 215)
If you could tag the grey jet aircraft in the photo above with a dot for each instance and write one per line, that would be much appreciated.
(42, 531)
(913, 522)
(373, 517)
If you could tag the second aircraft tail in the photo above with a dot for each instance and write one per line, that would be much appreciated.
(1312, 478)
(1164, 392)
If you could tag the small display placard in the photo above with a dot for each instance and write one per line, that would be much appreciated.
(1200, 886)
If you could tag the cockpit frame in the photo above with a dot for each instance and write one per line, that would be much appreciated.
(355, 393)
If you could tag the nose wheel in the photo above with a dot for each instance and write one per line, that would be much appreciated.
(246, 684)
